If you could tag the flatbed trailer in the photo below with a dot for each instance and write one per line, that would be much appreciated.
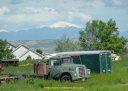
(4, 78)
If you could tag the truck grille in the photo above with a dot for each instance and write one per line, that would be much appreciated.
(81, 72)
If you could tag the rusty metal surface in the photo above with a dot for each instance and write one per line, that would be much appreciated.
(41, 69)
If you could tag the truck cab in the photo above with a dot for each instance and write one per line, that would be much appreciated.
(63, 68)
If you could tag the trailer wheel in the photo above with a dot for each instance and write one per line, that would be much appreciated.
(66, 78)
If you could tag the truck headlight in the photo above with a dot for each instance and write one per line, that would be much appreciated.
(75, 74)
(89, 72)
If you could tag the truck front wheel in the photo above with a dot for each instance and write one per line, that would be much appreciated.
(66, 78)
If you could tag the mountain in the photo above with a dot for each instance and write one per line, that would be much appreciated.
(124, 34)
(44, 32)
(64, 24)
(41, 33)
(61, 25)
(53, 31)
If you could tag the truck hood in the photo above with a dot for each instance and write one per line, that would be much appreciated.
(72, 66)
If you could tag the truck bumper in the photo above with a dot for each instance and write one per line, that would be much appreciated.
(77, 76)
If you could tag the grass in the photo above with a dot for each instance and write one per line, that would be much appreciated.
(117, 81)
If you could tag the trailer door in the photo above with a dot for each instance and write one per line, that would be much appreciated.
(103, 63)
(108, 57)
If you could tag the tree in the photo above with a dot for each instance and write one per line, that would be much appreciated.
(5, 52)
(29, 58)
(99, 35)
(39, 51)
(65, 44)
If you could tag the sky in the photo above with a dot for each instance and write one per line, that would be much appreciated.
(16, 15)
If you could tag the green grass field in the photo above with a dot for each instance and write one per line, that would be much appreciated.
(117, 81)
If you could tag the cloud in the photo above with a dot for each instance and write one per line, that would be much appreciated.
(38, 10)
(2, 30)
(43, 12)
(29, 14)
(49, 10)
(81, 16)
(117, 2)
(16, 1)
(98, 3)
(95, 3)
(3, 10)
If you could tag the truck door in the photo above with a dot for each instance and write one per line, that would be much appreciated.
(53, 68)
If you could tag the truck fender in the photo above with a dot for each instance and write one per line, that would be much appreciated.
(65, 73)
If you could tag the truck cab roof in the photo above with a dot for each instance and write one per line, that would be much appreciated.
(56, 57)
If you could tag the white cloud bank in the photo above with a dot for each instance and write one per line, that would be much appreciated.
(3, 10)
(2, 30)
(44, 12)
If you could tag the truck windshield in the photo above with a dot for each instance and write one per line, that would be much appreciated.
(66, 60)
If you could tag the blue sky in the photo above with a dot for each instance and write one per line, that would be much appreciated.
(18, 15)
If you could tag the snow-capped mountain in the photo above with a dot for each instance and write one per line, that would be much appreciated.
(61, 25)
(53, 31)
(44, 32)
(64, 24)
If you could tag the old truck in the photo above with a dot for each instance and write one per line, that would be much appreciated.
(62, 68)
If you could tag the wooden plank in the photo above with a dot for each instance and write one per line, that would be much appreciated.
(6, 79)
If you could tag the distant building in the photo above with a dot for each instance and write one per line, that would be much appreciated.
(22, 52)
(33, 54)
(115, 57)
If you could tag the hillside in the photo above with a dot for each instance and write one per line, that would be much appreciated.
(45, 45)
(42, 33)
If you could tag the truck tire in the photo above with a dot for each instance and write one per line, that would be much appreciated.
(66, 78)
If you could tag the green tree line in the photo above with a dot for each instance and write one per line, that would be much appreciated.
(97, 35)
